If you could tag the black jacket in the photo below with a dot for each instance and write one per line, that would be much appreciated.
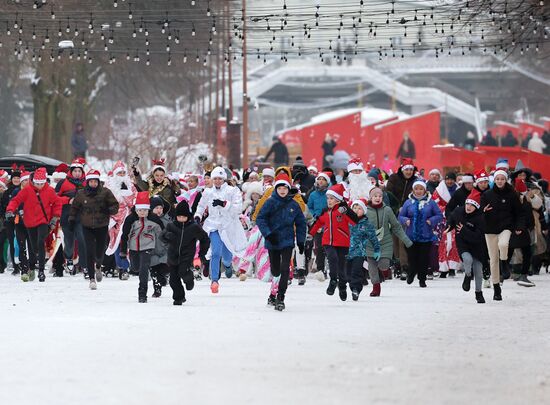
(524, 238)
(457, 200)
(471, 237)
(182, 242)
(431, 186)
(400, 187)
(506, 212)
(280, 151)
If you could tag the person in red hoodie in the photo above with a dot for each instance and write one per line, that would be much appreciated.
(335, 221)
(42, 209)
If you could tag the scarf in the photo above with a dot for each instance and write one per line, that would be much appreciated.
(92, 192)
(77, 182)
(376, 206)
(156, 188)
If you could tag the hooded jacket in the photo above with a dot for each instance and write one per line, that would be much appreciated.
(471, 237)
(419, 211)
(335, 226)
(67, 189)
(181, 239)
(385, 224)
(400, 187)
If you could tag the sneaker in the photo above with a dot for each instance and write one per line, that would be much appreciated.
(271, 300)
(279, 305)
(487, 283)
(332, 287)
(41, 276)
(32, 274)
(242, 276)
(403, 276)
(123, 275)
(343, 293)
(430, 276)
(98, 273)
(70, 266)
(142, 300)
(467, 282)
(525, 282)
(214, 287)
(354, 295)
(179, 302)
(93, 284)
(479, 297)
(422, 284)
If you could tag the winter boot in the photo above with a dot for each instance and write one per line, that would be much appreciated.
(16, 270)
(189, 280)
(497, 294)
(93, 284)
(98, 273)
(452, 273)
(41, 276)
(354, 295)
(301, 277)
(479, 297)
(422, 283)
(142, 300)
(525, 282)
(214, 287)
(343, 293)
(32, 274)
(387, 274)
(228, 271)
(271, 300)
(157, 290)
(123, 275)
(466, 283)
(279, 305)
(375, 290)
(332, 287)
(179, 302)
(410, 277)
(70, 266)
(504, 270)
(404, 271)
(24, 275)
(443, 274)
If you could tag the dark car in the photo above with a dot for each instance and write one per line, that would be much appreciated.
(31, 162)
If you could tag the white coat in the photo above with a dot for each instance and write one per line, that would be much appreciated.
(225, 220)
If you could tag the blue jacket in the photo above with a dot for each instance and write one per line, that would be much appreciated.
(317, 202)
(360, 234)
(418, 212)
(280, 216)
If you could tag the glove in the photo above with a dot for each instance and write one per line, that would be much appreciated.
(376, 255)
(10, 216)
(198, 220)
(342, 208)
(272, 238)
(218, 202)
(301, 248)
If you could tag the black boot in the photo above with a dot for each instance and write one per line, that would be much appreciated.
(16, 270)
(410, 277)
(142, 300)
(301, 276)
(343, 293)
(479, 297)
(404, 274)
(466, 283)
(355, 295)
(443, 274)
(41, 276)
(279, 304)
(422, 283)
(271, 300)
(504, 270)
(497, 292)
(332, 287)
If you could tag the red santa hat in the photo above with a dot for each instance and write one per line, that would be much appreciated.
(481, 175)
(268, 171)
(407, 163)
(474, 198)
(337, 191)
(355, 164)
(158, 164)
(25, 175)
(3, 183)
(142, 201)
(324, 175)
(78, 163)
(119, 167)
(40, 176)
(60, 172)
(520, 186)
(93, 175)
(362, 202)
(282, 179)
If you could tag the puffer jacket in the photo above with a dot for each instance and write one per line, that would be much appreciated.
(458, 199)
(160, 256)
(360, 235)
(506, 212)
(139, 234)
(471, 237)
(418, 212)
(385, 224)
(182, 242)
(400, 187)
(317, 202)
(93, 208)
(34, 215)
(283, 218)
(335, 226)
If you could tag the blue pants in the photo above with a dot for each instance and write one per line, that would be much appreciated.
(219, 252)
(121, 263)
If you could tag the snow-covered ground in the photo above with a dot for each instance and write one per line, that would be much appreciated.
(61, 343)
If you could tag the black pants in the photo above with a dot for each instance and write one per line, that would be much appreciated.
(96, 240)
(337, 264)
(37, 246)
(158, 275)
(526, 262)
(419, 258)
(319, 251)
(177, 274)
(3, 239)
(279, 261)
(140, 262)
(355, 273)
(69, 238)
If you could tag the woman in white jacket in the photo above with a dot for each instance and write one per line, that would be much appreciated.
(227, 237)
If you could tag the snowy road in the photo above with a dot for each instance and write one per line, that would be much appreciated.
(63, 344)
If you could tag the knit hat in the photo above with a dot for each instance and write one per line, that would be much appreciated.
(119, 167)
(337, 191)
(324, 175)
(218, 173)
(40, 176)
(407, 163)
(3, 183)
(268, 171)
(372, 190)
(312, 169)
(362, 202)
(481, 175)
(474, 198)
(450, 175)
(467, 178)
(93, 175)
(520, 186)
(502, 163)
(355, 164)
(374, 173)
(282, 180)
(183, 209)
(299, 162)
(435, 171)
(501, 173)
(155, 201)
(25, 175)
(158, 164)
(78, 163)
(419, 182)
(142, 201)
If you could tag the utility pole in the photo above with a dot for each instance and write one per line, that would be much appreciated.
(229, 69)
(245, 95)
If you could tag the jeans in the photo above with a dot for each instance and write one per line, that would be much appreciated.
(37, 248)
(219, 252)
(471, 264)
(96, 240)
(337, 264)
(280, 266)
(140, 263)
(69, 238)
(22, 238)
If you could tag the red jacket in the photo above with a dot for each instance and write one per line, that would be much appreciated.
(33, 215)
(336, 227)
(68, 190)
